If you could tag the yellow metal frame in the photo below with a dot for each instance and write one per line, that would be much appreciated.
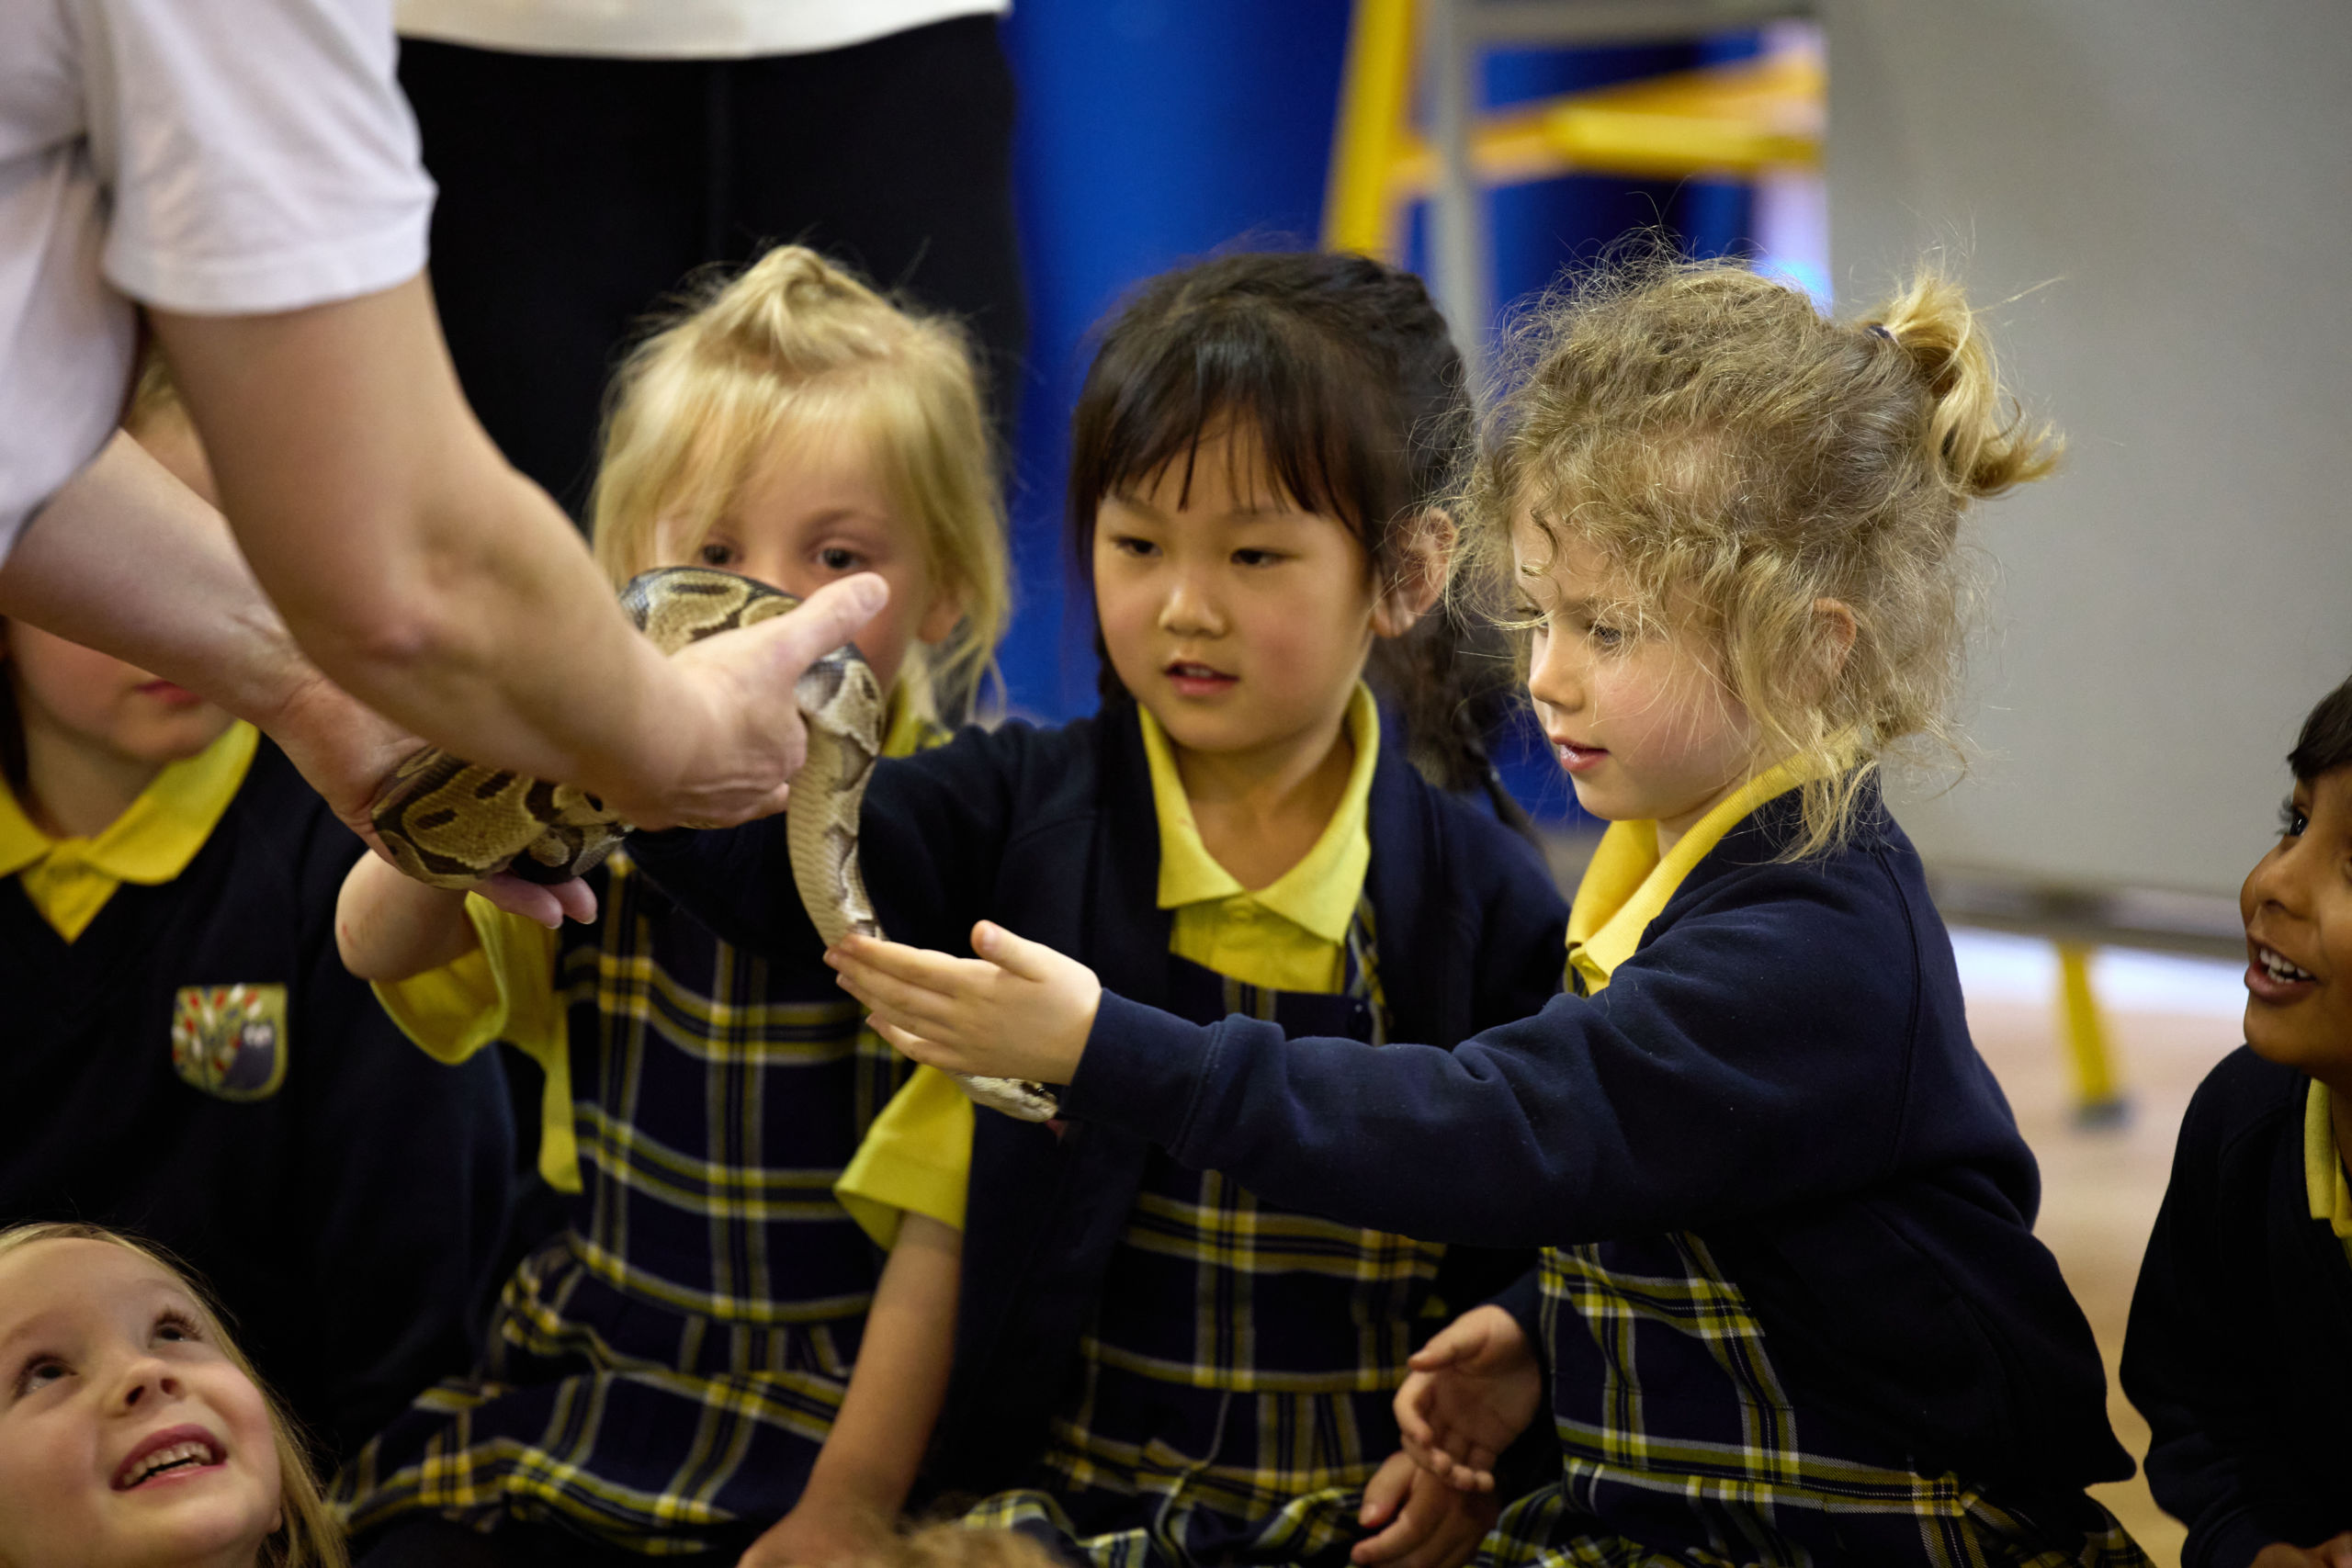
(1735, 120)
(2099, 1097)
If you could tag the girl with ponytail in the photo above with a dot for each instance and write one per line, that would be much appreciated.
(1789, 1306)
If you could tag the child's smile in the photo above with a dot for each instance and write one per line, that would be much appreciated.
(2298, 907)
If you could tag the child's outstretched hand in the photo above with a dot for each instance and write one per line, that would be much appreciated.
(1431, 1524)
(1473, 1389)
(1019, 1010)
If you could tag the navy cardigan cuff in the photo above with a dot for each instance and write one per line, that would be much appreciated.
(2232, 1541)
(1142, 1071)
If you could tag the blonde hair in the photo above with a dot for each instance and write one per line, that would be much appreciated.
(953, 1545)
(308, 1535)
(795, 339)
(1740, 458)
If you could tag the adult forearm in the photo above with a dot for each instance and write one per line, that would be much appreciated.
(129, 560)
(410, 561)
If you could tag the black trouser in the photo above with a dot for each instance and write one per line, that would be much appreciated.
(577, 192)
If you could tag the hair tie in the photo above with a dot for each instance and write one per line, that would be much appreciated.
(1878, 329)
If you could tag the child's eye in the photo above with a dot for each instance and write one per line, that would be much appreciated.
(1605, 636)
(174, 1326)
(837, 558)
(1256, 558)
(1128, 545)
(38, 1373)
(2293, 819)
(715, 552)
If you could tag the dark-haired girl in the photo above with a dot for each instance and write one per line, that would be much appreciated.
(1151, 1364)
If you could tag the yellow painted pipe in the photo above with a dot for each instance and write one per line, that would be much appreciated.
(2098, 1099)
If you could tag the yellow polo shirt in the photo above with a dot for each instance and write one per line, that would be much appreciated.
(70, 880)
(1627, 884)
(505, 989)
(2323, 1184)
(1289, 935)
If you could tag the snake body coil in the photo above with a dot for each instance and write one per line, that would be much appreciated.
(452, 823)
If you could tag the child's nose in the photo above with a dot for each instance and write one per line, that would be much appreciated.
(1189, 611)
(1554, 678)
(144, 1381)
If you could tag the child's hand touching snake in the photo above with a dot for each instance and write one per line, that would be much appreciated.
(1018, 1010)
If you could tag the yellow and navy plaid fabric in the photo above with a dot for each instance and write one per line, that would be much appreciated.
(1234, 1392)
(673, 1363)
(1679, 1445)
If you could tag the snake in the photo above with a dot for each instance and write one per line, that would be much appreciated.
(451, 823)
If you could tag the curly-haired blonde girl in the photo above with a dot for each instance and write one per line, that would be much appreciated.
(1785, 488)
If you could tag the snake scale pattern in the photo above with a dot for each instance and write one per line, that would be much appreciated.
(451, 823)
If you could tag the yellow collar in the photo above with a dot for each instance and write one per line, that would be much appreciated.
(1319, 892)
(70, 880)
(906, 729)
(1627, 884)
(2323, 1184)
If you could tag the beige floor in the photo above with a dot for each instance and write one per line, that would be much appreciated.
(2168, 1021)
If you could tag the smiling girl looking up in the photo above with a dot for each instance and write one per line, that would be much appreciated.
(1790, 1307)
(671, 1371)
(1155, 1365)
(132, 1431)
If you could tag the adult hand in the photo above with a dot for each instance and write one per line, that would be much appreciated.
(739, 702)
(1473, 1389)
(1018, 1010)
(347, 752)
(1430, 1525)
(2332, 1553)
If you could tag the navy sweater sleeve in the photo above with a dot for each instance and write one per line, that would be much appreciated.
(2237, 1352)
(1754, 1052)
(930, 836)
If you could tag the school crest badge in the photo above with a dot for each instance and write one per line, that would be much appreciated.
(230, 1041)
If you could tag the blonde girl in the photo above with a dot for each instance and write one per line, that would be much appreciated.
(133, 1432)
(1790, 1308)
(664, 1375)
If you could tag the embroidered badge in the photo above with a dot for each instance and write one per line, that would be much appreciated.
(230, 1041)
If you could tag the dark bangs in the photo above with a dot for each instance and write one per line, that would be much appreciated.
(2326, 743)
(1341, 369)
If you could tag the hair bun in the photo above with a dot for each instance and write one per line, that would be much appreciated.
(1981, 439)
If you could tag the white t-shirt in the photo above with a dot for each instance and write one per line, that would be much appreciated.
(675, 29)
(227, 157)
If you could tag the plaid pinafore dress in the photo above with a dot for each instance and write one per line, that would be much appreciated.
(1681, 1446)
(1233, 1393)
(669, 1365)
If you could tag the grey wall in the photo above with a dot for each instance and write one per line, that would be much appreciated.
(2176, 176)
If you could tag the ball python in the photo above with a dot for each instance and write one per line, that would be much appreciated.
(451, 823)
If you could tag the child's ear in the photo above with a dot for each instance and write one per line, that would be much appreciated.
(1834, 631)
(939, 618)
(1423, 554)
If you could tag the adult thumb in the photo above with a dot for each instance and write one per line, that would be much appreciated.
(825, 620)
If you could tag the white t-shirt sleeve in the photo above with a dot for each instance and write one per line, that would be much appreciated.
(259, 154)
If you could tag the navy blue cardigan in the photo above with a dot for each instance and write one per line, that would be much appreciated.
(1784, 1065)
(2240, 1350)
(1052, 833)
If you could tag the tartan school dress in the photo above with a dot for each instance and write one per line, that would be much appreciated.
(661, 1375)
(1153, 1366)
(1747, 1347)
(1234, 1391)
